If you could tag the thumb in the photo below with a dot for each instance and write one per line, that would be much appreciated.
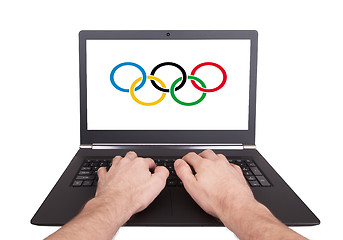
(160, 174)
(101, 175)
(184, 172)
(157, 183)
(101, 172)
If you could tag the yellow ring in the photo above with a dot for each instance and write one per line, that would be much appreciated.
(132, 91)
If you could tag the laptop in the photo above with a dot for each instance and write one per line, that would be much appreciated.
(163, 94)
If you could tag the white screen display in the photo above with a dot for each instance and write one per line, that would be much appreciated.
(114, 65)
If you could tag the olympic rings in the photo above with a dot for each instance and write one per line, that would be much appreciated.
(172, 92)
(212, 89)
(145, 103)
(184, 75)
(173, 87)
(127, 64)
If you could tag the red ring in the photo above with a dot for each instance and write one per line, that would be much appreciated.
(212, 89)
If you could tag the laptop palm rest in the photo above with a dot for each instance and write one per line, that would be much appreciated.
(172, 205)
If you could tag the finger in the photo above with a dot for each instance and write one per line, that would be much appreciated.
(159, 178)
(155, 186)
(209, 154)
(101, 172)
(150, 163)
(116, 159)
(193, 159)
(161, 173)
(184, 172)
(233, 165)
(237, 168)
(221, 156)
(131, 155)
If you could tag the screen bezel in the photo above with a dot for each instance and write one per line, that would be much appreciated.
(168, 136)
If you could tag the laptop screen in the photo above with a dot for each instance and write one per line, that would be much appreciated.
(168, 84)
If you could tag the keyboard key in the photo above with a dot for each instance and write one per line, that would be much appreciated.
(77, 183)
(87, 176)
(256, 171)
(250, 178)
(94, 164)
(263, 181)
(254, 183)
(87, 183)
(244, 169)
(247, 173)
(86, 168)
(173, 177)
(91, 177)
(171, 183)
(170, 163)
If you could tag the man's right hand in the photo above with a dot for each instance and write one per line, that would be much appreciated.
(221, 190)
(217, 186)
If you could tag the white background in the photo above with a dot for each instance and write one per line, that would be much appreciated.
(105, 103)
(299, 98)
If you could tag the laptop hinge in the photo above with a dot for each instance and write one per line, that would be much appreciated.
(249, 146)
(86, 146)
(230, 146)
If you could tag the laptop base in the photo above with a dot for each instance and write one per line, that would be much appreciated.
(173, 207)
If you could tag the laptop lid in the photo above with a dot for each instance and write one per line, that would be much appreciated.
(191, 87)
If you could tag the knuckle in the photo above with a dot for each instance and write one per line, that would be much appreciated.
(238, 168)
(192, 154)
(131, 153)
(208, 151)
(150, 159)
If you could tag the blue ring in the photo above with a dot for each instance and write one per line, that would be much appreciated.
(127, 64)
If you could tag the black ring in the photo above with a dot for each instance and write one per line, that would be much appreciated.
(184, 76)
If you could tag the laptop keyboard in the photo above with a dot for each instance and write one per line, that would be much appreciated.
(87, 174)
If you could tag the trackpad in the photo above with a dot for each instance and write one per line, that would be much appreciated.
(157, 213)
(186, 210)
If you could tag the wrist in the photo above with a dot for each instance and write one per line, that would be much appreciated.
(236, 213)
(110, 212)
(253, 220)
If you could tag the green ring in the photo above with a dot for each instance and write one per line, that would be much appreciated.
(172, 91)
